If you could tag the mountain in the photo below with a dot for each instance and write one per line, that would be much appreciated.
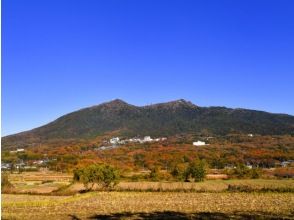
(164, 119)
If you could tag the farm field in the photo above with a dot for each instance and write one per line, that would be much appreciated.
(206, 186)
(47, 182)
(36, 196)
(149, 205)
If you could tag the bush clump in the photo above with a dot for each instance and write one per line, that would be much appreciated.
(196, 170)
(6, 185)
(243, 172)
(103, 175)
(154, 174)
(178, 172)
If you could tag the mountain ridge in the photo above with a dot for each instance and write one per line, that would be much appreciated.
(161, 119)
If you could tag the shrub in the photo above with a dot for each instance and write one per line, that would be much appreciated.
(5, 183)
(175, 172)
(103, 175)
(154, 174)
(255, 173)
(178, 172)
(243, 172)
(240, 188)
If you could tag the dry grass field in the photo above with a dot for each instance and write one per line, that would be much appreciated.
(149, 205)
(210, 199)
(46, 182)
(206, 186)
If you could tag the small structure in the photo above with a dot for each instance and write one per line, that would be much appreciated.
(114, 140)
(106, 147)
(6, 166)
(250, 135)
(249, 166)
(39, 162)
(17, 150)
(122, 142)
(287, 163)
(199, 143)
(147, 139)
(20, 165)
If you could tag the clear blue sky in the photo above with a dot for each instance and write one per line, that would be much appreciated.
(62, 55)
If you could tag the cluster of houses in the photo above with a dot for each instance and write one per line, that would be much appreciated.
(20, 164)
(17, 166)
(6, 166)
(287, 163)
(116, 140)
(24, 165)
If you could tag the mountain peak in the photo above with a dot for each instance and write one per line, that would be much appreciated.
(176, 103)
(115, 102)
(183, 101)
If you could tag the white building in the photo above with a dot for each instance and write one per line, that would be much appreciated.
(122, 142)
(17, 150)
(199, 143)
(249, 166)
(147, 139)
(114, 140)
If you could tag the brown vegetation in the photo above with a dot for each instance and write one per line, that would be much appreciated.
(130, 205)
(227, 151)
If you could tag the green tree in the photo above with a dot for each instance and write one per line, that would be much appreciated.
(241, 171)
(154, 174)
(255, 173)
(103, 175)
(196, 170)
(178, 172)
